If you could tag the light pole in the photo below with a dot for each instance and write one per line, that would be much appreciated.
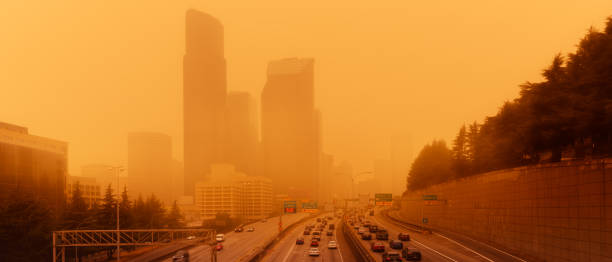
(117, 170)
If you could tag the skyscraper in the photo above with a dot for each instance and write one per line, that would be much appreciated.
(150, 165)
(288, 126)
(204, 93)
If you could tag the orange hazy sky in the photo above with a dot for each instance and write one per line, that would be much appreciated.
(88, 72)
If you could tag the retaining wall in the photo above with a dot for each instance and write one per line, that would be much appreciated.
(554, 212)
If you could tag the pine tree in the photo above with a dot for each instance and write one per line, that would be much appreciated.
(125, 208)
(107, 216)
(175, 218)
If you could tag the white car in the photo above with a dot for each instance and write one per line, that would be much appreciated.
(332, 245)
(250, 229)
(314, 252)
(220, 237)
(190, 237)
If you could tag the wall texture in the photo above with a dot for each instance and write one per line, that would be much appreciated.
(553, 212)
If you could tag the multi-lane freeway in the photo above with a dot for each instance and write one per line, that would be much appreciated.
(287, 250)
(238, 246)
(435, 247)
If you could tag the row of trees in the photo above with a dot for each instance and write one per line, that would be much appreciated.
(569, 114)
(26, 223)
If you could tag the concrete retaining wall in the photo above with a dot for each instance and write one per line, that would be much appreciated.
(555, 212)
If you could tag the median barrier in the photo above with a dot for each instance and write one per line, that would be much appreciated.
(359, 250)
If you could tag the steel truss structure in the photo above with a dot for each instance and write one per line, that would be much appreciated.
(134, 237)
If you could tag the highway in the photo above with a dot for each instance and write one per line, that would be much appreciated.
(435, 247)
(238, 246)
(287, 250)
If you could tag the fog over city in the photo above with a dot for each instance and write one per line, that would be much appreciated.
(337, 130)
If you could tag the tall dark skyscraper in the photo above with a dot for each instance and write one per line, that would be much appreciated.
(204, 93)
(289, 128)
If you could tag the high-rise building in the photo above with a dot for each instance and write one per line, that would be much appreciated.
(150, 165)
(288, 128)
(204, 93)
(32, 165)
(89, 187)
(242, 132)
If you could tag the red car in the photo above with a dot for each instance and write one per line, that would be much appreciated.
(219, 247)
(314, 243)
(299, 241)
(403, 237)
(378, 247)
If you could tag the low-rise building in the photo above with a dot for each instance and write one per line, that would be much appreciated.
(89, 187)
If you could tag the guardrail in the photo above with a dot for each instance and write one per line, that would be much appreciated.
(359, 250)
(404, 224)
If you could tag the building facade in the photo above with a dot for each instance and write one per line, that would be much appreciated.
(204, 94)
(89, 187)
(32, 165)
(289, 128)
(233, 193)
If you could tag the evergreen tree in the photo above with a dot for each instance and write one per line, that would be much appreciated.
(432, 166)
(139, 211)
(175, 218)
(125, 210)
(460, 153)
(107, 212)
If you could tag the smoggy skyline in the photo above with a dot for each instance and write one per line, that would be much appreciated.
(89, 73)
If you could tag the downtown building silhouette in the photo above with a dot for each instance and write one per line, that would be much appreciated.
(204, 96)
(290, 129)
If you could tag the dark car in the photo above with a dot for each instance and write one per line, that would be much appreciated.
(319, 219)
(316, 237)
(373, 228)
(411, 254)
(371, 212)
(396, 244)
(314, 243)
(391, 256)
(403, 237)
(378, 247)
(366, 236)
(239, 229)
(306, 232)
(299, 241)
(332, 227)
(382, 234)
(330, 233)
(181, 256)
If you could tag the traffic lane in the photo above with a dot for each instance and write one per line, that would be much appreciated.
(301, 252)
(344, 250)
(429, 244)
(239, 244)
(280, 251)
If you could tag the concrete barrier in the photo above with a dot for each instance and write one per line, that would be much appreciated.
(553, 212)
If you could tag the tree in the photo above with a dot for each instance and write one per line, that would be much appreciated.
(460, 153)
(432, 166)
(175, 218)
(107, 212)
(125, 210)
(139, 211)
(77, 214)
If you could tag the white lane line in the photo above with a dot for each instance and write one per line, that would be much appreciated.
(425, 246)
(289, 252)
(515, 257)
(336, 225)
(466, 248)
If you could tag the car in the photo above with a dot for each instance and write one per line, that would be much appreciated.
(181, 256)
(219, 247)
(373, 228)
(306, 232)
(361, 230)
(220, 237)
(396, 244)
(356, 226)
(382, 234)
(332, 227)
(239, 229)
(330, 233)
(318, 219)
(316, 233)
(314, 243)
(403, 236)
(366, 236)
(411, 254)
(316, 237)
(332, 245)
(190, 237)
(299, 241)
(165, 240)
(391, 256)
(250, 229)
(264, 220)
(377, 247)
(314, 252)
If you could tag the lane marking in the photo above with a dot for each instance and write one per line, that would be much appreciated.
(515, 257)
(336, 234)
(425, 246)
(467, 248)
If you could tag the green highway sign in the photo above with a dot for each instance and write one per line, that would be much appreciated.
(383, 199)
(309, 205)
(430, 197)
(290, 206)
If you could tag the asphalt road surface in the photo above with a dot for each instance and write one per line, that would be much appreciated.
(288, 251)
(435, 247)
(239, 245)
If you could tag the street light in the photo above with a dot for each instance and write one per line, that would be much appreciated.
(117, 170)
